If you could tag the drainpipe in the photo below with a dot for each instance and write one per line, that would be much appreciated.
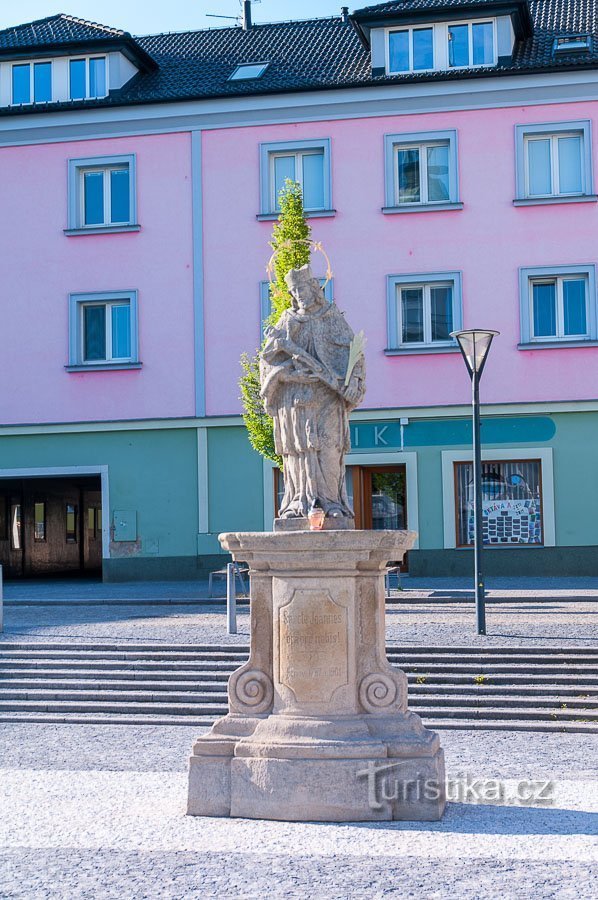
(246, 15)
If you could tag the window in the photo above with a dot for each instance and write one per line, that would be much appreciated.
(558, 305)
(410, 50)
(32, 83)
(39, 521)
(308, 163)
(16, 542)
(512, 503)
(248, 71)
(572, 43)
(471, 44)
(102, 194)
(94, 522)
(421, 172)
(554, 162)
(71, 523)
(87, 78)
(103, 330)
(422, 312)
(266, 304)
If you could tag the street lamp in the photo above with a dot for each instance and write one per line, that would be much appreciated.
(474, 345)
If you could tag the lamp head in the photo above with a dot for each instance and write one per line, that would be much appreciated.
(474, 345)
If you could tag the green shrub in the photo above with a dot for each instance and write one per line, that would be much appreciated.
(290, 244)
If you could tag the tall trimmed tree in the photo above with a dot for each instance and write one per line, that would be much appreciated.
(290, 244)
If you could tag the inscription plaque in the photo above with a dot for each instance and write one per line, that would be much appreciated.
(313, 658)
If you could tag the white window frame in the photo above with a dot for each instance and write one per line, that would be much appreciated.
(108, 306)
(271, 151)
(530, 276)
(87, 59)
(411, 29)
(32, 65)
(77, 305)
(105, 172)
(508, 454)
(298, 156)
(470, 23)
(555, 130)
(554, 139)
(421, 147)
(440, 45)
(395, 142)
(395, 284)
(76, 194)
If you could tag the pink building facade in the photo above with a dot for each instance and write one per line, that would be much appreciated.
(448, 164)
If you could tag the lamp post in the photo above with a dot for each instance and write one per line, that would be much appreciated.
(474, 345)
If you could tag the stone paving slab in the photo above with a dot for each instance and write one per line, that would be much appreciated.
(124, 834)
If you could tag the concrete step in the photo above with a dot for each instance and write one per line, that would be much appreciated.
(440, 709)
(220, 699)
(243, 649)
(174, 675)
(64, 706)
(226, 668)
(203, 722)
(219, 684)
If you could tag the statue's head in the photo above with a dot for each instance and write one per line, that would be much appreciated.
(306, 291)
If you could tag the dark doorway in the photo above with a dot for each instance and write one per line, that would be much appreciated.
(51, 526)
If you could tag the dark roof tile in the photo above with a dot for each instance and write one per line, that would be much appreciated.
(303, 55)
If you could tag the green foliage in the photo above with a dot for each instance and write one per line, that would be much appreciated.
(290, 236)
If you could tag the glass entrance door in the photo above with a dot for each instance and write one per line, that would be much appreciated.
(384, 498)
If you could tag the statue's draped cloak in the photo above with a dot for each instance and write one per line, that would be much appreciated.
(311, 424)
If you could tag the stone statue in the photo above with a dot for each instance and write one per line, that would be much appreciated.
(312, 373)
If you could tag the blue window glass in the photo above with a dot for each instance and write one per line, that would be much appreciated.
(544, 309)
(121, 331)
(441, 311)
(483, 43)
(412, 315)
(398, 51)
(94, 333)
(78, 88)
(458, 45)
(42, 82)
(119, 196)
(284, 168)
(574, 306)
(313, 181)
(409, 183)
(423, 48)
(570, 174)
(539, 167)
(21, 84)
(97, 77)
(438, 173)
(93, 198)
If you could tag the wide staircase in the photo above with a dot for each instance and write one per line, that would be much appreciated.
(525, 689)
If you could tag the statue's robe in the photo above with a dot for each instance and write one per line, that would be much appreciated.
(311, 423)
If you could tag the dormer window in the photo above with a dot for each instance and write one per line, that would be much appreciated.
(87, 78)
(441, 47)
(410, 50)
(31, 83)
(471, 44)
(572, 43)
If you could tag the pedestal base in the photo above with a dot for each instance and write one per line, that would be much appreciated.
(320, 782)
(319, 728)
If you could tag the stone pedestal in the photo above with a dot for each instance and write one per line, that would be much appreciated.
(318, 728)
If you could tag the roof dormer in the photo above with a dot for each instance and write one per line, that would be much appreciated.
(411, 37)
(62, 59)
